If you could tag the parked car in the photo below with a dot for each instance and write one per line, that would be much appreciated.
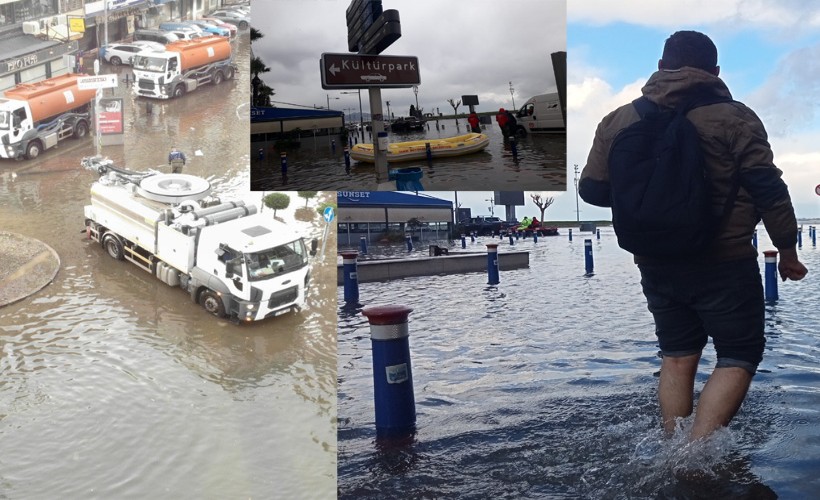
(482, 225)
(121, 53)
(147, 44)
(233, 17)
(210, 29)
(159, 36)
(221, 24)
(188, 34)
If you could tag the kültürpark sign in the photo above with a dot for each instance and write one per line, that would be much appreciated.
(353, 71)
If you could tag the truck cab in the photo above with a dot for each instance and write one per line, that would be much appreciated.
(15, 122)
(541, 114)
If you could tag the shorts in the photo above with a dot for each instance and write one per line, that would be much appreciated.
(693, 301)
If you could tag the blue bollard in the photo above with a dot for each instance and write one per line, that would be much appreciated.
(472, 237)
(800, 237)
(588, 264)
(770, 259)
(535, 236)
(511, 239)
(409, 240)
(363, 245)
(261, 153)
(429, 152)
(347, 158)
(333, 146)
(463, 241)
(351, 279)
(284, 157)
(598, 233)
(492, 264)
(392, 373)
(517, 235)
(570, 234)
(514, 147)
(754, 238)
(814, 236)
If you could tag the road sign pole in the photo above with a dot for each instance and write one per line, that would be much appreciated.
(377, 126)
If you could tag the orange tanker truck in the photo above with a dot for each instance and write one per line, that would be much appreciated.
(182, 67)
(36, 116)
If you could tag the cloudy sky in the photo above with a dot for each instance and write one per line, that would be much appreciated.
(463, 46)
(768, 51)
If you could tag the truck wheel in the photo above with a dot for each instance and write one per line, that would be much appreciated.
(80, 130)
(116, 61)
(218, 78)
(229, 73)
(211, 302)
(33, 150)
(113, 246)
(179, 91)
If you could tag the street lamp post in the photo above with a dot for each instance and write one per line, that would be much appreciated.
(577, 207)
(511, 94)
(361, 113)
(328, 101)
(388, 110)
(416, 91)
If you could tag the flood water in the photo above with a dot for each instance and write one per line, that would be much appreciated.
(115, 385)
(545, 387)
(540, 164)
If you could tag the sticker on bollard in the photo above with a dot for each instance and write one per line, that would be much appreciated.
(351, 277)
(392, 372)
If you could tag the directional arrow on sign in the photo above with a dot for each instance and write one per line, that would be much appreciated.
(333, 69)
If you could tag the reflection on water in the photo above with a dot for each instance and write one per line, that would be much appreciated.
(545, 387)
(114, 385)
(540, 164)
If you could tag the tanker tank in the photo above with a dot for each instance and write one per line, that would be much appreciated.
(53, 96)
(201, 51)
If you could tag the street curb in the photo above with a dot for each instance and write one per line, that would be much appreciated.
(27, 266)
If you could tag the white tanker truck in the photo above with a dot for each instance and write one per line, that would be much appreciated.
(233, 261)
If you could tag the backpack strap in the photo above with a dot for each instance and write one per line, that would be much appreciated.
(644, 106)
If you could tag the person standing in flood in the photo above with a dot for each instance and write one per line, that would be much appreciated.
(177, 160)
(716, 293)
(475, 123)
(502, 119)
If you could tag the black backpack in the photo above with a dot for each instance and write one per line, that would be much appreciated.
(660, 188)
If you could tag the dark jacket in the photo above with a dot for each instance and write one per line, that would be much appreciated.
(733, 140)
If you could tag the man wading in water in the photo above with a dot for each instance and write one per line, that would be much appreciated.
(714, 291)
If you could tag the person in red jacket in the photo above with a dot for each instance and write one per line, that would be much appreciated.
(502, 120)
(474, 122)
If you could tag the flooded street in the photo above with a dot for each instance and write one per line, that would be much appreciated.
(115, 385)
(540, 164)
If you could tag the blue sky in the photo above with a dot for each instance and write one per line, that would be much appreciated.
(769, 54)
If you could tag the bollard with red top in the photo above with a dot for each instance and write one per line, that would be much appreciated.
(570, 234)
(492, 263)
(284, 162)
(351, 279)
(347, 158)
(463, 241)
(392, 373)
(770, 259)
(363, 245)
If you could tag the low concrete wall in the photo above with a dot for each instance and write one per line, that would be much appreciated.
(391, 269)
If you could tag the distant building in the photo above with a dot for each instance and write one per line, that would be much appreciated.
(272, 124)
(376, 214)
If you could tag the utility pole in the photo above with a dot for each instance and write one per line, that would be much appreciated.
(577, 207)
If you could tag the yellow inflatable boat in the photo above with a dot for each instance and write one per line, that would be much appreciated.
(417, 150)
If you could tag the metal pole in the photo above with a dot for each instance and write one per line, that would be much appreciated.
(577, 207)
(361, 113)
(377, 127)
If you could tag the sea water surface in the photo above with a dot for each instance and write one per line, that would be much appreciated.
(544, 386)
(540, 163)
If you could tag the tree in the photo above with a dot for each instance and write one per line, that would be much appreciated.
(455, 105)
(541, 202)
(263, 92)
(307, 195)
(277, 201)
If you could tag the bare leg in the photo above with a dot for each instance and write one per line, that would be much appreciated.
(676, 388)
(720, 399)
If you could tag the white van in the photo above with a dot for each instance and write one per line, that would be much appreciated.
(541, 114)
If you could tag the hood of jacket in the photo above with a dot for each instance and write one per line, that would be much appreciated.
(667, 88)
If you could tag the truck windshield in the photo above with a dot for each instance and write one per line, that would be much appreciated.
(4, 120)
(147, 63)
(276, 261)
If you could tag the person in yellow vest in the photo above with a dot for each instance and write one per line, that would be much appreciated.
(524, 224)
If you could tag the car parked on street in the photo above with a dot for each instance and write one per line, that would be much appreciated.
(233, 17)
(209, 29)
(221, 24)
(121, 53)
(159, 36)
